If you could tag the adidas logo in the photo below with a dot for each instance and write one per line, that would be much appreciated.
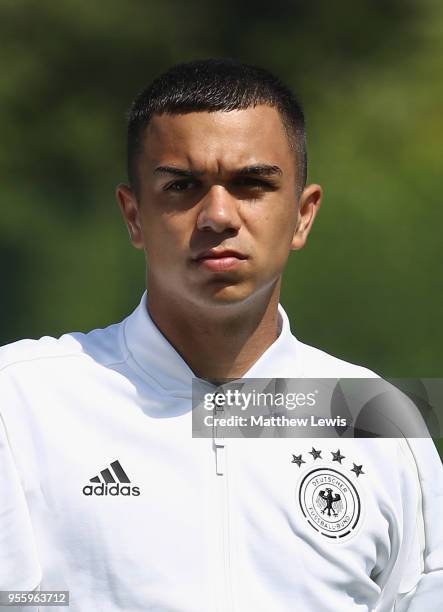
(112, 482)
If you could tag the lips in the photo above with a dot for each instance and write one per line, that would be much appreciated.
(219, 254)
(220, 260)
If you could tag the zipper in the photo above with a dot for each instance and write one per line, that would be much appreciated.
(223, 587)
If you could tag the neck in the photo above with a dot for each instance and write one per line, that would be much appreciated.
(222, 342)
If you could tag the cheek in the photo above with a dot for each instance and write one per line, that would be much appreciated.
(278, 229)
(273, 237)
(165, 237)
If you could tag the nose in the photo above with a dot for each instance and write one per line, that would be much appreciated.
(219, 211)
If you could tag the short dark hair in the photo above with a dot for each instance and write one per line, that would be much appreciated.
(215, 85)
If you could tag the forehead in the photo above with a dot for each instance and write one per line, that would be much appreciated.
(218, 140)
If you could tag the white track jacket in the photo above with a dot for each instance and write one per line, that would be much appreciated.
(105, 493)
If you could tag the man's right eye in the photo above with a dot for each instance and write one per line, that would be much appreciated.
(181, 185)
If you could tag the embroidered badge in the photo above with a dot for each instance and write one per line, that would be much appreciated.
(329, 501)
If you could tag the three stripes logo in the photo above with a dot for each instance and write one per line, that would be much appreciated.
(113, 481)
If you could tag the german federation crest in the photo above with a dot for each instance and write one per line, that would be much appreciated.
(330, 503)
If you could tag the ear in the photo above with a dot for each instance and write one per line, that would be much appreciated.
(127, 201)
(309, 204)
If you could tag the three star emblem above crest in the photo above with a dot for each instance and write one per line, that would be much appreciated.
(337, 456)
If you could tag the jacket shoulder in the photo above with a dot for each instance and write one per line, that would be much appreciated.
(102, 345)
(319, 364)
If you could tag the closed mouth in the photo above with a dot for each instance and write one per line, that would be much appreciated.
(220, 255)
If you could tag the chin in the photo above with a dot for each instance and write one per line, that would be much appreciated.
(225, 295)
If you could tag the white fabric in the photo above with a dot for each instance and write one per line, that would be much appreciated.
(194, 540)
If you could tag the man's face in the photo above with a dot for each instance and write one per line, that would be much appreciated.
(218, 206)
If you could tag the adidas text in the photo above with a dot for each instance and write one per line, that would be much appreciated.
(115, 489)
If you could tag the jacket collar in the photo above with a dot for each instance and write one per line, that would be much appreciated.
(156, 359)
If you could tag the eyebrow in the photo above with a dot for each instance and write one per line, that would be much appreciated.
(258, 170)
(175, 171)
(261, 170)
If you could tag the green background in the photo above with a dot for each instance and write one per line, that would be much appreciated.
(367, 287)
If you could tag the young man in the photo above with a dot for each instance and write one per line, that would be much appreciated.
(105, 493)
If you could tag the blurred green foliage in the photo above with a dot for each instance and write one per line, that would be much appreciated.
(368, 285)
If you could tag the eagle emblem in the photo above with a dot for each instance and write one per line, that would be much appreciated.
(326, 500)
